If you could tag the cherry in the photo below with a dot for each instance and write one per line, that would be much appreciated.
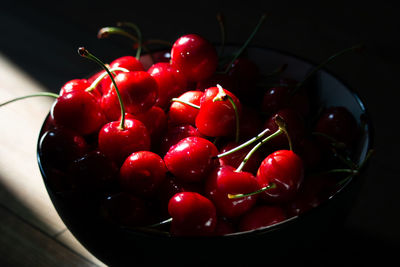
(75, 84)
(181, 113)
(142, 173)
(194, 56)
(59, 147)
(176, 133)
(224, 227)
(261, 216)
(223, 181)
(171, 82)
(337, 123)
(127, 62)
(79, 111)
(284, 169)
(192, 215)
(191, 159)
(219, 113)
(118, 143)
(138, 91)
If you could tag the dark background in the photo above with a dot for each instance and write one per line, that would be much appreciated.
(43, 38)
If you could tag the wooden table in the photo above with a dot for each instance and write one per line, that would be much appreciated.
(31, 232)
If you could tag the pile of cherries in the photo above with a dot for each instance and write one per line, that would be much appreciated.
(194, 145)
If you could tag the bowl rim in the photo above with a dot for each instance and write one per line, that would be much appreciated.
(369, 131)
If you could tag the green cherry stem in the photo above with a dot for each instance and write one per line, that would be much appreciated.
(185, 103)
(29, 96)
(246, 44)
(256, 147)
(324, 63)
(221, 96)
(265, 188)
(101, 77)
(86, 54)
(282, 129)
(249, 142)
(138, 33)
(106, 31)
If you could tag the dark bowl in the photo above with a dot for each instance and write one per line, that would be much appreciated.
(280, 243)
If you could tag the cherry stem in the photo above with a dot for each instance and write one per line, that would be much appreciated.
(245, 45)
(256, 147)
(324, 63)
(138, 32)
(159, 223)
(29, 96)
(101, 77)
(265, 188)
(283, 127)
(106, 31)
(222, 96)
(185, 103)
(221, 23)
(85, 53)
(249, 142)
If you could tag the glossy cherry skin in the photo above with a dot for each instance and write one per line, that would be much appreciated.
(139, 92)
(236, 158)
(285, 170)
(118, 144)
(171, 82)
(295, 128)
(78, 111)
(223, 181)
(192, 215)
(195, 57)
(79, 85)
(217, 118)
(180, 113)
(191, 159)
(338, 123)
(59, 147)
(176, 133)
(127, 62)
(261, 216)
(142, 173)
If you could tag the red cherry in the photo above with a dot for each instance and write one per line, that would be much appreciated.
(191, 159)
(127, 62)
(261, 216)
(338, 123)
(138, 91)
(142, 173)
(224, 227)
(171, 82)
(192, 215)
(194, 56)
(180, 113)
(223, 181)
(118, 144)
(175, 134)
(285, 170)
(217, 118)
(79, 111)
